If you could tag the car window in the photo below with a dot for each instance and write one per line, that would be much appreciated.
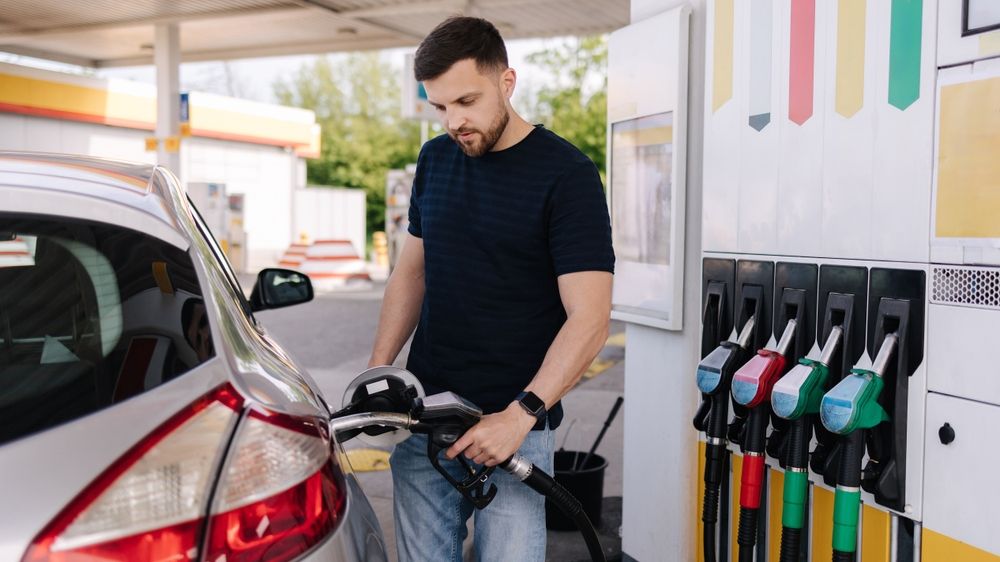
(222, 260)
(90, 314)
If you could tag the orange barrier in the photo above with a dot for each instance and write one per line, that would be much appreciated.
(333, 264)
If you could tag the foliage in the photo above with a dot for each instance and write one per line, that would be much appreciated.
(357, 103)
(356, 99)
(574, 102)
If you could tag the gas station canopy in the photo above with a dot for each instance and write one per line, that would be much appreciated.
(107, 33)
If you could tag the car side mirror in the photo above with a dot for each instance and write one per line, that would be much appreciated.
(277, 288)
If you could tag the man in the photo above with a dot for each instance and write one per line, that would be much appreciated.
(507, 267)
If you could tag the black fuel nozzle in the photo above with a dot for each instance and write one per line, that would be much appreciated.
(444, 418)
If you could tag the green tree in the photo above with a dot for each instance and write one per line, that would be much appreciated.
(356, 99)
(573, 103)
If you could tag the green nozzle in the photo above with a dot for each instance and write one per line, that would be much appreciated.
(853, 403)
(801, 390)
(846, 504)
(795, 493)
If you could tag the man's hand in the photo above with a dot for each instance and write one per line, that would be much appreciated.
(496, 437)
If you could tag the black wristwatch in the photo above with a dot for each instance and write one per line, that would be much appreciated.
(532, 404)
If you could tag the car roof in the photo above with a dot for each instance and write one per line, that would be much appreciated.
(147, 188)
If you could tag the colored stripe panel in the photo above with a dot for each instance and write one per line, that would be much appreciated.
(775, 492)
(904, 52)
(822, 524)
(876, 526)
(699, 546)
(760, 63)
(968, 198)
(850, 56)
(722, 72)
(734, 517)
(801, 61)
(936, 547)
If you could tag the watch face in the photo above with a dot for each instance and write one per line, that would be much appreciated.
(533, 404)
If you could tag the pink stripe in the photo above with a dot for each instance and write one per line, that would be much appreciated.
(801, 58)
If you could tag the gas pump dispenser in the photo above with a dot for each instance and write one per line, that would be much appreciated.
(752, 385)
(715, 373)
(849, 409)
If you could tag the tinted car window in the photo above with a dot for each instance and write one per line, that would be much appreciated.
(90, 315)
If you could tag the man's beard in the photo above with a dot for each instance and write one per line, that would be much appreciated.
(482, 142)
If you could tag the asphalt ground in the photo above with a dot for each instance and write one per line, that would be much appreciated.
(332, 336)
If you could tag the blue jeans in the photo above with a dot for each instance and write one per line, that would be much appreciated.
(431, 515)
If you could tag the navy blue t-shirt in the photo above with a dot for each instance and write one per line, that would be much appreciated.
(497, 232)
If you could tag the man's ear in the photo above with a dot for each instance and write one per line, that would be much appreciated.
(508, 79)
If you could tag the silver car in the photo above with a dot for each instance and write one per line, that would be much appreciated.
(144, 413)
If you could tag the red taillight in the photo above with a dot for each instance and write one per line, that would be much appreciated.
(149, 505)
(282, 492)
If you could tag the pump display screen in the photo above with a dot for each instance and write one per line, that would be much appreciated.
(980, 16)
(642, 213)
(642, 152)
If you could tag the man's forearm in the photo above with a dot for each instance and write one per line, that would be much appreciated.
(404, 295)
(579, 340)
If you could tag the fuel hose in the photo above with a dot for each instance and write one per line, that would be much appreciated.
(539, 481)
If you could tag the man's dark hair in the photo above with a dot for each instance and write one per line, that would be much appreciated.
(459, 38)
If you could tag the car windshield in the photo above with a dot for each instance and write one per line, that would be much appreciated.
(90, 314)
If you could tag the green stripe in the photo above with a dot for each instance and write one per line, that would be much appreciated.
(846, 506)
(904, 52)
(796, 490)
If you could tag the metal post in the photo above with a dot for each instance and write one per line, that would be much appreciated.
(167, 56)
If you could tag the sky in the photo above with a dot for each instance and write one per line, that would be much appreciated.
(254, 78)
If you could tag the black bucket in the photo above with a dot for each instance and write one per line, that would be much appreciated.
(586, 485)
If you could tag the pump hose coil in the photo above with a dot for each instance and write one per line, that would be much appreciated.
(710, 516)
(747, 535)
(791, 544)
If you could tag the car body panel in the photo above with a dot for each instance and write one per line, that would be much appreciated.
(149, 199)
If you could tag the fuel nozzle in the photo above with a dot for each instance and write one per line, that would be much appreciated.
(753, 381)
(801, 390)
(716, 368)
(853, 403)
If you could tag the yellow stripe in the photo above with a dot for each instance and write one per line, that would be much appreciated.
(939, 548)
(968, 198)
(850, 56)
(240, 124)
(822, 524)
(140, 111)
(699, 547)
(722, 74)
(734, 502)
(162, 278)
(876, 526)
(57, 96)
(776, 493)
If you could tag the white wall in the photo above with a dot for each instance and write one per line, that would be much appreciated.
(323, 213)
(266, 174)
(660, 462)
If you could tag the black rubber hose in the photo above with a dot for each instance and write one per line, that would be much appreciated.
(570, 506)
(850, 459)
(710, 516)
(747, 535)
(791, 544)
(839, 556)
